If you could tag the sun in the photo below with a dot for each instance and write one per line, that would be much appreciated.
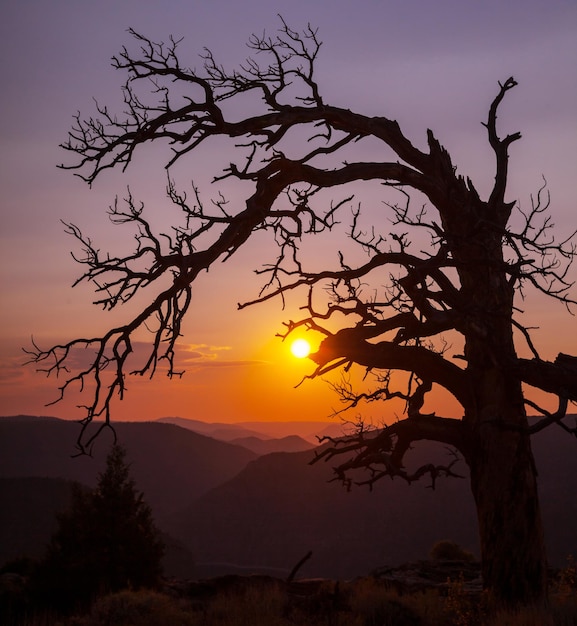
(300, 348)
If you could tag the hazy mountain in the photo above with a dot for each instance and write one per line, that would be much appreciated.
(227, 505)
(279, 507)
(292, 443)
(29, 418)
(171, 465)
(217, 430)
(309, 430)
(28, 513)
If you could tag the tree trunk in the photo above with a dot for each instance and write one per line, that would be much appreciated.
(503, 473)
(503, 481)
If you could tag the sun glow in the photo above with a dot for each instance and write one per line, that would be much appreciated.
(300, 348)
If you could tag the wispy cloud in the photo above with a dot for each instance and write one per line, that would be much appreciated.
(238, 363)
(187, 357)
(11, 371)
(198, 356)
(193, 353)
(204, 347)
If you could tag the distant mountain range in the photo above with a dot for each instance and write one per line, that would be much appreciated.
(308, 430)
(171, 465)
(291, 443)
(235, 509)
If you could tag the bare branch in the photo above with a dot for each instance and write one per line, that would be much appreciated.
(385, 301)
(381, 452)
(379, 302)
(559, 378)
(500, 147)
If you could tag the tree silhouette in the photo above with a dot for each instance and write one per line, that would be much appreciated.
(105, 542)
(382, 302)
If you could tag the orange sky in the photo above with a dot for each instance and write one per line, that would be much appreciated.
(236, 369)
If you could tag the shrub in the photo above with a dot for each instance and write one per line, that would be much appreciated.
(137, 608)
(378, 606)
(446, 550)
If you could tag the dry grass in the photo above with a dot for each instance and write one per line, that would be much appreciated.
(364, 602)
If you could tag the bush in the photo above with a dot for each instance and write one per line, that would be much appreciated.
(375, 605)
(446, 550)
(137, 608)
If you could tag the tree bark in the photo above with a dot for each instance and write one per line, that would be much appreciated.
(503, 472)
(503, 482)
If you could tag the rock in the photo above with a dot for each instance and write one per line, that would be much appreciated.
(421, 575)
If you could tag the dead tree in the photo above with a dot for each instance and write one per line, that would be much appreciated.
(465, 285)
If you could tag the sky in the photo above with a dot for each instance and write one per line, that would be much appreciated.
(427, 64)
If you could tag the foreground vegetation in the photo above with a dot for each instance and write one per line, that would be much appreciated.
(257, 601)
(102, 567)
(442, 591)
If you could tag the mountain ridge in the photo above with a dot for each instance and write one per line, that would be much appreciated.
(281, 507)
(232, 507)
(309, 430)
(45, 448)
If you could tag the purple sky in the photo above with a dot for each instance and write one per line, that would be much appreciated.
(426, 64)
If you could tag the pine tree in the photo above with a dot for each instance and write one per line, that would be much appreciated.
(106, 541)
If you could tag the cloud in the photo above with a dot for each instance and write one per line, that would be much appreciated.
(194, 353)
(188, 357)
(11, 371)
(239, 363)
(202, 348)
(24, 389)
(199, 356)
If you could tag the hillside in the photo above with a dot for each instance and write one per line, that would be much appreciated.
(230, 506)
(308, 430)
(171, 465)
(29, 509)
(28, 519)
(292, 443)
(279, 507)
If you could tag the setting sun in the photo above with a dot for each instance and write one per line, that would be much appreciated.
(300, 348)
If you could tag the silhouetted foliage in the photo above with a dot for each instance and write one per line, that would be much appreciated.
(446, 550)
(105, 542)
(381, 302)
